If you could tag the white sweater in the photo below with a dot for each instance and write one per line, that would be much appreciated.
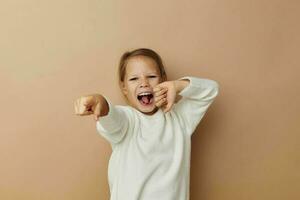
(151, 153)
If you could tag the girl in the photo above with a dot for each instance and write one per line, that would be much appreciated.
(150, 138)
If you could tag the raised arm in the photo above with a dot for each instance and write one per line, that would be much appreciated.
(197, 96)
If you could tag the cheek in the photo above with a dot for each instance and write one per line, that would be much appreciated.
(131, 90)
(155, 82)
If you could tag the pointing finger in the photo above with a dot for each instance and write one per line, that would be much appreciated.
(76, 105)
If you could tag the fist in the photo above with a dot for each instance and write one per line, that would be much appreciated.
(88, 105)
(165, 95)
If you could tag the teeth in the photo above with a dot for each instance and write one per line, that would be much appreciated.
(145, 93)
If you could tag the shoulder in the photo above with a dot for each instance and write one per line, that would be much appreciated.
(124, 108)
(127, 110)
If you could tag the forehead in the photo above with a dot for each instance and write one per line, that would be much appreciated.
(141, 64)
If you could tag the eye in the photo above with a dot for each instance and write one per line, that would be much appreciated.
(152, 76)
(133, 79)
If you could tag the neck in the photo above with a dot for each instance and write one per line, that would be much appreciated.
(152, 112)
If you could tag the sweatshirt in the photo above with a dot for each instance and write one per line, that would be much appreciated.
(150, 157)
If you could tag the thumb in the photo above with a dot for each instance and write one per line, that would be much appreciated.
(97, 112)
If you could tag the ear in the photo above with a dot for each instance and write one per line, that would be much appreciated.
(124, 88)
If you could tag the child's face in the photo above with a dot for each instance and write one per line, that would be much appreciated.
(141, 75)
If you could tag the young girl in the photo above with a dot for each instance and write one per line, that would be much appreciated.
(150, 138)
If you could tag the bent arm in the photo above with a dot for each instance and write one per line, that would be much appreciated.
(181, 84)
(197, 96)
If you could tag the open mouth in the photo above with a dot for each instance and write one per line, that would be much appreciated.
(145, 98)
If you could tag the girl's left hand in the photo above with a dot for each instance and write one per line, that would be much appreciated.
(165, 95)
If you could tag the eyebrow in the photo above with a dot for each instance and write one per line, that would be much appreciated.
(146, 74)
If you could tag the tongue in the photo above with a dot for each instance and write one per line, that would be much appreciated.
(145, 99)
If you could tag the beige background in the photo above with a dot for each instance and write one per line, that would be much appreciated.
(246, 147)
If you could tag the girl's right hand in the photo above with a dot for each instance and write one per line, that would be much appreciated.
(88, 105)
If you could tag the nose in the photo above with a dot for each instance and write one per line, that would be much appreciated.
(144, 82)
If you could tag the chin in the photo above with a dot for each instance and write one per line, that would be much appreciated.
(149, 110)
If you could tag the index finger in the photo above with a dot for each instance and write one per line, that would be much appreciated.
(156, 88)
(159, 88)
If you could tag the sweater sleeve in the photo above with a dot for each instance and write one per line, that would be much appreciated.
(196, 98)
(114, 125)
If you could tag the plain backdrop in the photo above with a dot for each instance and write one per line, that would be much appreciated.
(51, 52)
